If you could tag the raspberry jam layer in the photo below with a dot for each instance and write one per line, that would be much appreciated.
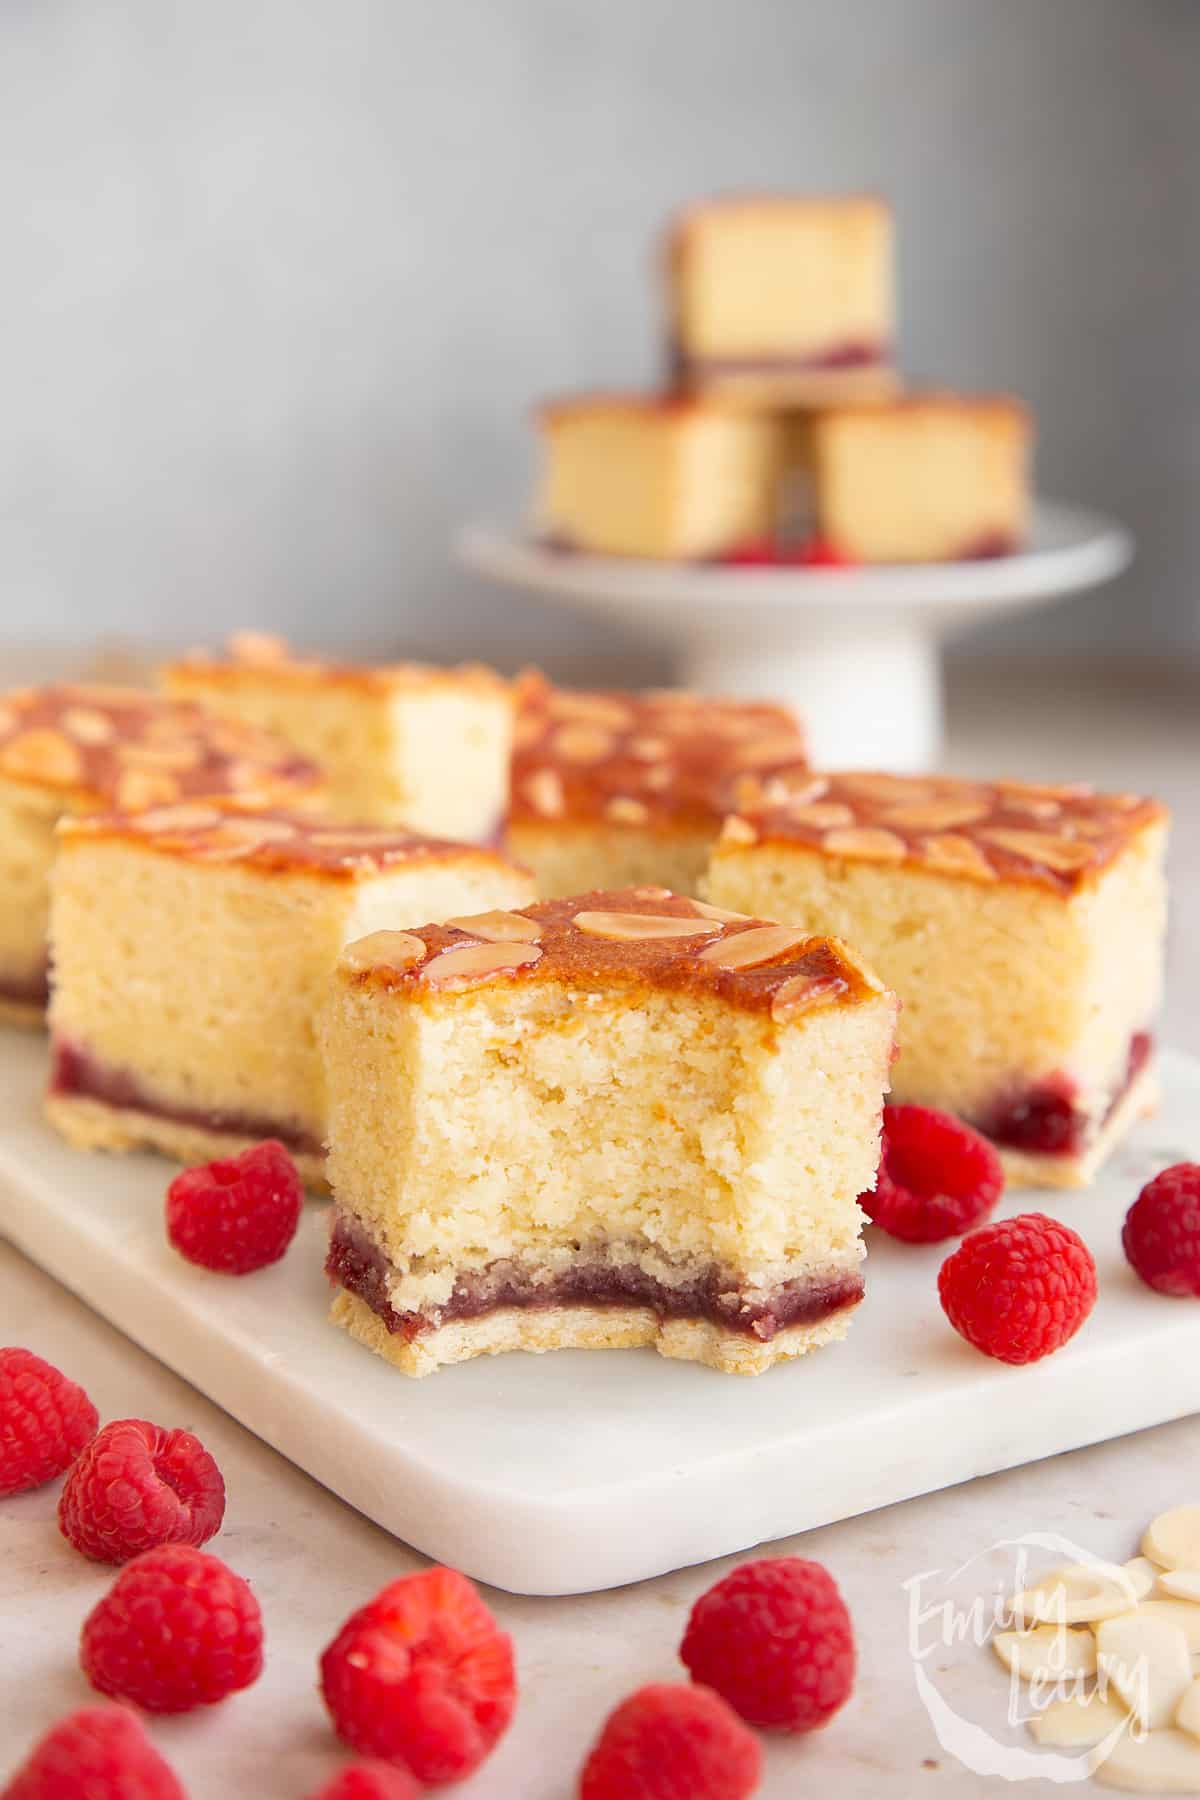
(1047, 1120)
(360, 1267)
(76, 1073)
(26, 990)
(853, 353)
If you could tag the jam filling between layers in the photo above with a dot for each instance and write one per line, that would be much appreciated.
(76, 1074)
(1046, 1119)
(361, 1267)
(26, 990)
(854, 353)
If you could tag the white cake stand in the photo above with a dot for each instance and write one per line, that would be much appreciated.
(857, 651)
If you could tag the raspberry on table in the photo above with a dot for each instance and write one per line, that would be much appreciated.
(177, 1629)
(136, 1486)
(237, 1214)
(45, 1421)
(937, 1178)
(422, 1676)
(672, 1742)
(1161, 1234)
(369, 1781)
(1019, 1289)
(97, 1753)
(774, 1639)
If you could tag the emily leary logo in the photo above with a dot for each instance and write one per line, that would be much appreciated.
(953, 1614)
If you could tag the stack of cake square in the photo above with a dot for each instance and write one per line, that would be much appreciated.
(781, 431)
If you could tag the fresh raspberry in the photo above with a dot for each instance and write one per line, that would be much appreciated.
(670, 1742)
(176, 1629)
(236, 1215)
(137, 1486)
(1161, 1235)
(45, 1420)
(775, 1641)
(1020, 1288)
(756, 553)
(97, 1753)
(369, 1781)
(820, 553)
(936, 1177)
(422, 1676)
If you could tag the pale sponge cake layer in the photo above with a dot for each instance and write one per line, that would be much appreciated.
(1015, 978)
(656, 477)
(581, 1122)
(192, 961)
(923, 479)
(576, 856)
(402, 744)
(27, 823)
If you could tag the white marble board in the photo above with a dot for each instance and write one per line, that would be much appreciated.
(579, 1471)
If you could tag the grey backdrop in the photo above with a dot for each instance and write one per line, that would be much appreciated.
(281, 278)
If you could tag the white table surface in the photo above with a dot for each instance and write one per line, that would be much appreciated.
(311, 1559)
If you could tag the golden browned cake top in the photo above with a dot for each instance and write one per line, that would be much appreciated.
(775, 207)
(257, 657)
(659, 759)
(275, 840)
(984, 831)
(631, 940)
(111, 746)
(930, 403)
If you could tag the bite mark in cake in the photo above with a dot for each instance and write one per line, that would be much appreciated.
(1022, 926)
(662, 1117)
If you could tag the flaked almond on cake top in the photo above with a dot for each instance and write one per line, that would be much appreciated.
(623, 1118)
(401, 743)
(79, 748)
(193, 950)
(610, 789)
(1022, 927)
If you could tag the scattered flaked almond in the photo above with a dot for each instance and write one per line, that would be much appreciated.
(471, 963)
(629, 927)
(498, 927)
(386, 949)
(750, 949)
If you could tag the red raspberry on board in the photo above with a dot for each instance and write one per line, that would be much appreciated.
(97, 1753)
(937, 1178)
(45, 1420)
(755, 553)
(1161, 1234)
(820, 553)
(176, 1629)
(239, 1214)
(369, 1781)
(137, 1486)
(775, 1640)
(422, 1676)
(1020, 1288)
(671, 1742)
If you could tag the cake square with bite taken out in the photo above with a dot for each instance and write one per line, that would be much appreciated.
(597, 1122)
(613, 789)
(193, 950)
(82, 747)
(401, 743)
(1022, 927)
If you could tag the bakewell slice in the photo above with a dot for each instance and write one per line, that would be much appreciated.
(401, 743)
(616, 789)
(926, 478)
(193, 950)
(1022, 927)
(78, 748)
(617, 1119)
(655, 475)
(783, 300)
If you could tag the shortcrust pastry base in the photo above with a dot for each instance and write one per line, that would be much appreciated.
(1029, 1168)
(29, 1014)
(538, 1329)
(92, 1125)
